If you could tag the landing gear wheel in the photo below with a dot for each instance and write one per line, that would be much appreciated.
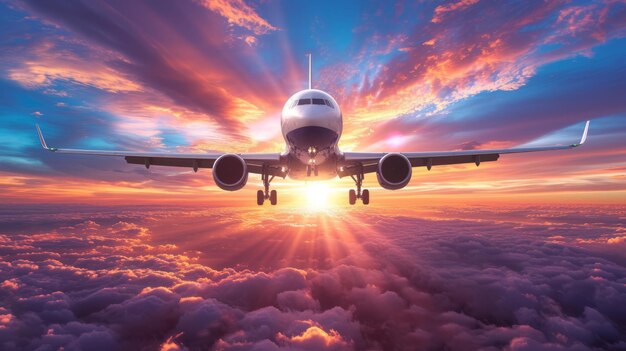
(352, 196)
(358, 181)
(273, 197)
(365, 197)
(266, 194)
(260, 197)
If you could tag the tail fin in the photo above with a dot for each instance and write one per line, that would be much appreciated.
(310, 71)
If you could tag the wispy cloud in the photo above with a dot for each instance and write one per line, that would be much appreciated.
(213, 76)
(241, 14)
(441, 10)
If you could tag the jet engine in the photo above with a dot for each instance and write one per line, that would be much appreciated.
(393, 171)
(230, 172)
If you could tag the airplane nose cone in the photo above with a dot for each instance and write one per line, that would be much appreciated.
(312, 116)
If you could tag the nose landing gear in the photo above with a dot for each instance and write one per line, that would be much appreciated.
(358, 194)
(266, 194)
(311, 169)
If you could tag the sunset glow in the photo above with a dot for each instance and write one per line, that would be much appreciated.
(400, 87)
(526, 253)
(318, 196)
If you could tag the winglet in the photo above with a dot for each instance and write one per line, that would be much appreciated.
(42, 140)
(584, 138)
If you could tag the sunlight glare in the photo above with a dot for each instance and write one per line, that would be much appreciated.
(318, 195)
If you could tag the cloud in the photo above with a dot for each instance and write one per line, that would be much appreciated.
(128, 60)
(456, 57)
(314, 338)
(458, 278)
(147, 77)
(441, 10)
(45, 71)
(241, 14)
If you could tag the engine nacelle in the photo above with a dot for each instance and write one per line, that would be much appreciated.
(394, 171)
(230, 172)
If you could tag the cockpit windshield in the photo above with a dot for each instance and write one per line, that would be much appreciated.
(314, 101)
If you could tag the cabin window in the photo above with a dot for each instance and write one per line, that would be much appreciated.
(304, 102)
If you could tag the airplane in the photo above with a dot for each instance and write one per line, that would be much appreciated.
(311, 123)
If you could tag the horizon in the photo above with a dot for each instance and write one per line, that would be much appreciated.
(525, 253)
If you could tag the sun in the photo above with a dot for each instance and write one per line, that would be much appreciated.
(317, 196)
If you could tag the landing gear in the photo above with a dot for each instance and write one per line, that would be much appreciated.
(352, 196)
(260, 197)
(266, 194)
(358, 194)
(365, 197)
(311, 169)
(273, 197)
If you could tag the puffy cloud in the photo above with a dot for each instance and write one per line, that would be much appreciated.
(458, 278)
(315, 338)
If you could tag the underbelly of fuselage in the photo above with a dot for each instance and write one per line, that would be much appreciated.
(312, 149)
(326, 171)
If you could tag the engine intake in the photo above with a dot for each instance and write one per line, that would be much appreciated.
(230, 172)
(394, 171)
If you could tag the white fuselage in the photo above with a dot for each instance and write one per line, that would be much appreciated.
(311, 124)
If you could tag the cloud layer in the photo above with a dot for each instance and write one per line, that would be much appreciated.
(460, 278)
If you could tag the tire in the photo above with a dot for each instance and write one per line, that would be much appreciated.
(352, 196)
(366, 197)
(273, 197)
(260, 197)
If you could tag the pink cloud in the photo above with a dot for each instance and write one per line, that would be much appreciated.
(448, 62)
(455, 277)
(441, 10)
(47, 64)
(241, 14)
(125, 62)
(315, 338)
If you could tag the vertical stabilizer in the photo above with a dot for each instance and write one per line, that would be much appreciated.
(310, 72)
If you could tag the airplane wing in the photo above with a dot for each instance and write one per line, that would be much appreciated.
(255, 161)
(354, 162)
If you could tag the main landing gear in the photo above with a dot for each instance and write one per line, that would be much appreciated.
(358, 194)
(261, 195)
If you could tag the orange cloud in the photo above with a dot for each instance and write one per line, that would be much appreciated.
(237, 12)
(37, 74)
(458, 61)
(48, 64)
(315, 338)
(441, 10)
(617, 240)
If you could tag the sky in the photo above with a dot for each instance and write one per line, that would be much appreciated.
(197, 76)
(526, 253)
